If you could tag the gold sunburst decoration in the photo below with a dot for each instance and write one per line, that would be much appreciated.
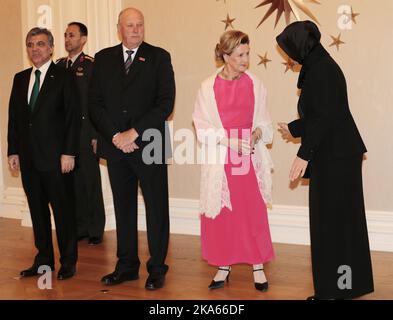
(287, 7)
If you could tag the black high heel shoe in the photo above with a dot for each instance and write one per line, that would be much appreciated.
(220, 284)
(261, 286)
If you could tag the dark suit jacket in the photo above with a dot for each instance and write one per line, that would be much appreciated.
(82, 69)
(143, 99)
(52, 129)
(326, 126)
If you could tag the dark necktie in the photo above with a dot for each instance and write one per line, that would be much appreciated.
(36, 90)
(69, 64)
(128, 62)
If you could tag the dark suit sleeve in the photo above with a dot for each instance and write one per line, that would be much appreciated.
(97, 111)
(72, 116)
(164, 99)
(296, 128)
(92, 131)
(321, 108)
(13, 135)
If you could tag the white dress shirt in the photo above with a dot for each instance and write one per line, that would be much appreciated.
(73, 59)
(125, 54)
(44, 69)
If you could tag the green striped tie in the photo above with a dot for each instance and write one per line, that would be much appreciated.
(36, 90)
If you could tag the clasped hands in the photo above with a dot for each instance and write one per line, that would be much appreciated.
(243, 146)
(299, 165)
(125, 141)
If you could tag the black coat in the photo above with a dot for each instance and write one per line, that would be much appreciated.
(325, 124)
(82, 69)
(143, 99)
(52, 129)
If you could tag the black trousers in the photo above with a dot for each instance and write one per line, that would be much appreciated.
(124, 176)
(56, 189)
(90, 212)
(338, 229)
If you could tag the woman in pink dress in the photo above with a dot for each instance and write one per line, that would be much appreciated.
(233, 127)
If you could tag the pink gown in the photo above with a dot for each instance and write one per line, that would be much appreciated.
(240, 235)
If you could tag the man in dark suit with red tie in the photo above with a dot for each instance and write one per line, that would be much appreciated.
(43, 137)
(132, 92)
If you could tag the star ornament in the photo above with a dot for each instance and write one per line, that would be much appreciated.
(264, 60)
(290, 64)
(287, 7)
(228, 22)
(336, 41)
(354, 15)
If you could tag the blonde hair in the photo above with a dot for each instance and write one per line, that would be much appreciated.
(229, 41)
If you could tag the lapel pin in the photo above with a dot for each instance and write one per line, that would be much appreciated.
(142, 59)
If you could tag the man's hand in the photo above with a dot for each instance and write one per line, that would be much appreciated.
(94, 145)
(130, 148)
(67, 163)
(299, 167)
(285, 133)
(125, 140)
(13, 162)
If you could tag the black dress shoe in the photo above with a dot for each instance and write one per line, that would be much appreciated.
(263, 287)
(316, 298)
(32, 271)
(93, 241)
(66, 272)
(117, 278)
(220, 284)
(155, 281)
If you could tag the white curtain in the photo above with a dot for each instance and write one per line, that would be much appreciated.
(100, 16)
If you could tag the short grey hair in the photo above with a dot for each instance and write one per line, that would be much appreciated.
(37, 31)
(129, 9)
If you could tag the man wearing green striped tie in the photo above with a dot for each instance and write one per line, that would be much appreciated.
(43, 138)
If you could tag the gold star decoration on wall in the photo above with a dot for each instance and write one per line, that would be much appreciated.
(228, 22)
(354, 15)
(336, 41)
(264, 60)
(289, 65)
(287, 7)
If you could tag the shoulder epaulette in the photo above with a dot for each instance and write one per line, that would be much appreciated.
(61, 59)
(89, 58)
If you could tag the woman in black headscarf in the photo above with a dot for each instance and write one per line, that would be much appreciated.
(331, 155)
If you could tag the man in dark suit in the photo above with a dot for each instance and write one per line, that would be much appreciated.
(133, 90)
(43, 136)
(90, 212)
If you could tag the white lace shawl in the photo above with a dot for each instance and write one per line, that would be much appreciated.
(214, 191)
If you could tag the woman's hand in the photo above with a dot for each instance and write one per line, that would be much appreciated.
(283, 129)
(299, 167)
(255, 137)
(242, 147)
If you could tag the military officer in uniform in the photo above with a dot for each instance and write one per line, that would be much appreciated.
(89, 200)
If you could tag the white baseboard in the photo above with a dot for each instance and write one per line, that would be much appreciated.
(288, 224)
